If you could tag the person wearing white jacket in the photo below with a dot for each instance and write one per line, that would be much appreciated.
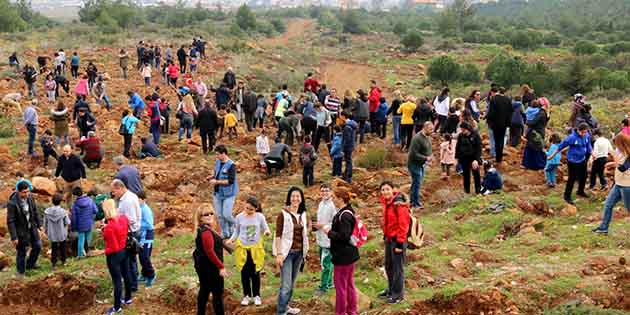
(441, 105)
(325, 214)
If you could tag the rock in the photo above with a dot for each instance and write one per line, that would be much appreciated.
(527, 230)
(40, 172)
(569, 211)
(43, 186)
(4, 149)
(4, 261)
(458, 263)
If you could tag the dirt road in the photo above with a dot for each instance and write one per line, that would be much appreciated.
(295, 29)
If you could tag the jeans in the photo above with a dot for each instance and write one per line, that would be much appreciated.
(51, 96)
(148, 272)
(307, 176)
(394, 268)
(132, 265)
(124, 72)
(325, 260)
(550, 173)
(347, 156)
(32, 89)
(66, 140)
(493, 151)
(84, 239)
(346, 292)
(58, 252)
(223, 209)
(32, 133)
(250, 279)
(441, 123)
(577, 171)
(108, 103)
(155, 131)
(21, 262)
(118, 270)
(321, 133)
(288, 275)
(186, 123)
(599, 166)
(417, 175)
(74, 70)
(616, 194)
(361, 133)
(396, 128)
(49, 152)
(336, 166)
(147, 81)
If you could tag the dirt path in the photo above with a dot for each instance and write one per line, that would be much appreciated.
(295, 28)
(344, 75)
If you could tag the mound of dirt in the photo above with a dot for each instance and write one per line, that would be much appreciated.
(62, 292)
(468, 302)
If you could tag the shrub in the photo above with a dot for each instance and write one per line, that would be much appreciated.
(616, 80)
(107, 24)
(279, 25)
(505, 70)
(374, 158)
(552, 39)
(6, 128)
(541, 78)
(329, 21)
(444, 70)
(470, 73)
(585, 47)
(234, 46)
(412, 40)
(245, 18)
(577, 78)
(618, 47)
(265, 28)
(353, 24)
(400, 28)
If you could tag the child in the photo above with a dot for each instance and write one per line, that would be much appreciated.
(146, 74)
(46, 142)
(447, 154)
(56, 223)
(307, 159)
(249, 251)
(230, 122)
(262, 144)
(552, 165)
(146, 240)
(83, 212)
(325, 213)
(492, 180)
(336, 152)
(221, 116)
(601, 149)
(452, 121)
(19, 177)
(51, 86)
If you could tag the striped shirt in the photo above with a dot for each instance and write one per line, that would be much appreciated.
(332, 104)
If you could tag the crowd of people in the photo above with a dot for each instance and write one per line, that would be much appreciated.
(318, 121)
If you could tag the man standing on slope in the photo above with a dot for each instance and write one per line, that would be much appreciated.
(420, 153)
(498, 119)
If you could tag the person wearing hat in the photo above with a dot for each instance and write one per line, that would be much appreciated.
(468, 154)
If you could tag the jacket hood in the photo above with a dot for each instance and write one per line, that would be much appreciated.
(55, 213)
(352, 124)
(83, 202)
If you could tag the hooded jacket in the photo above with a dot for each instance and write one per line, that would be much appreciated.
(19, 223)
(468, 147)
(362, 111)
(396, 219)
(115, 234)
(56, 221)
(579, 147)
(336, 150)
(308, 151)
(343, 252)
(83, 211)
(374, 98)
(349, 132)
(136, 102)
(381, 113)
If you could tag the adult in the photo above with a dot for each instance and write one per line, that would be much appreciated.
(534, 156)
(441, 104)
(168, 54)
(422, 114)
(361, 113)
(290, 246)
(128, 123)
(30, 77)
(499, 119)
(580, 148)
(578, 102)
(92, 73)
(527, 95)
(517, 123)
(229, 78)
(123, 62)
(187, 111)
(468, 154)
(290, 124)
(24, 227)
(62, 82)
(140, 49)
(275, 159)
(420, 153)
(222, 94)
(60, 116)
(374, 100)
(181, 57)
(225, 190)
(238, 99)
(129, 206)
(407, 109)
(129, 175)
(85, 122)
(311, 84)
(472, 104)
(75, 60)
(149, 149)
(136, 103)
(396, 219)
(324, 120)
(585, 116)
(332, 104)
(249, 108)
(31, 121)
(83, 212)
(348, 144)
(100, 93)
(92, 150)
(621, 188)
(71, 169)
(322, 93)
(208, 123)
(208, 262)
(78, 105)
(396, 117)
(173, 73)
(115, 237)
(155, 117)
(309, 117)
(202, 90)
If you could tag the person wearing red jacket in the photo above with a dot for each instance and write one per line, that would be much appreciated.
(396, 218)
(311, 84)
(92, 150)
(374, 100)
(115, 237)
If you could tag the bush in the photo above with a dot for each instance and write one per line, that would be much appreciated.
(279, 25)
(400, 28)
(234, 46)
(6, 128)
(585, 47)
(552, 39)
(329, 21)
(617, 48)
(245, 18)
(353, 24)
(525, 39)
(616, 80)
(505, 70)
(374, 158)
(107, 24)
(444, 70)
(412, 40)
(470, 73)
(266, 28)
(577, 78)
(541, 78)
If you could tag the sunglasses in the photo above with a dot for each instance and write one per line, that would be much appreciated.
(207, 214)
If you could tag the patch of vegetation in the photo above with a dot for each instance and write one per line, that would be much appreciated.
(6, 128)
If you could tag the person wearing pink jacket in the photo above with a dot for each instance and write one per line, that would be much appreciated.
(82, 87)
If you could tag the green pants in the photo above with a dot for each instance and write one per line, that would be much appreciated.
(325, 259)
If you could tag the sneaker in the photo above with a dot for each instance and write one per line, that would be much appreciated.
(257, 301)
(603, 188)
(245, 301)
(583, 195)
(149, 281)
(384, 295)
(569, 201)
(393, 300)
(600, 231)
(20, 275)
(113, 310)
(142, 279)
(319, 292)
(293, 310)
(126, 302)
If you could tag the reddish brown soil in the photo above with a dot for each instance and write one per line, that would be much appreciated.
(468, 302)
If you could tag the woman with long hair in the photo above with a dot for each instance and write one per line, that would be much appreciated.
(115, 237)
(208, 260)
(472, 104)
(621, 189)
(290, 246)
(534, 156)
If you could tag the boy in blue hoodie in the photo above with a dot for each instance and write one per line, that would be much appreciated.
(336, 151)
(492, 180)
(580, 148)
(147, 235)
(83, 212)
(380, 118)
(553, 164)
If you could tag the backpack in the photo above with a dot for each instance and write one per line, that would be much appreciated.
(308, 157)
(359, 233)
(98, 200)
(415, 234)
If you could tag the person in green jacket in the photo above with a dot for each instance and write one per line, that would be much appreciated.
(420, 153)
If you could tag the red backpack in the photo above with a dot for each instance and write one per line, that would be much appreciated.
(359, 233)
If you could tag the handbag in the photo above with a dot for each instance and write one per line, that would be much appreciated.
(122, 130)
(132, 244)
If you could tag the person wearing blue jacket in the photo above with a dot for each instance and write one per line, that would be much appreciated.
(83, 212)
(492, 180)
(129, 122)
(336, 151)
(225, 190)
(348, 143)
(380, 118)
(580, 148)
(136, 103)
(147, 234)
(553, 164)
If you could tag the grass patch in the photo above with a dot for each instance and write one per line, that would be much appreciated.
(571, 309)
(7, 130)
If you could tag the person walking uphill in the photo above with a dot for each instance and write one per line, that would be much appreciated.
(290, 246)
(249, 252)
(225, 190)
(24, 227)
(499, 118)
(31, 121)
(348, 144)
(129, 205)
(420, 153)
(579, 144)
(128, 124)
(396, 220)
(71, 169)
(208, 261)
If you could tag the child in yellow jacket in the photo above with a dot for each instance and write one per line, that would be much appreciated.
(230, 123)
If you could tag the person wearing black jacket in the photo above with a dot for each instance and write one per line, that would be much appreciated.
(422, 114)
(208, 123)
(181, 56)
(249, 108)
(396, 117)
(230, 78)
(63, 83)
(499, 119)
(24, 227)
(275, 159)
(208, 262)
(78, 105)
(468, 154)
(85, 122)
(345, 254)
(71, 169)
